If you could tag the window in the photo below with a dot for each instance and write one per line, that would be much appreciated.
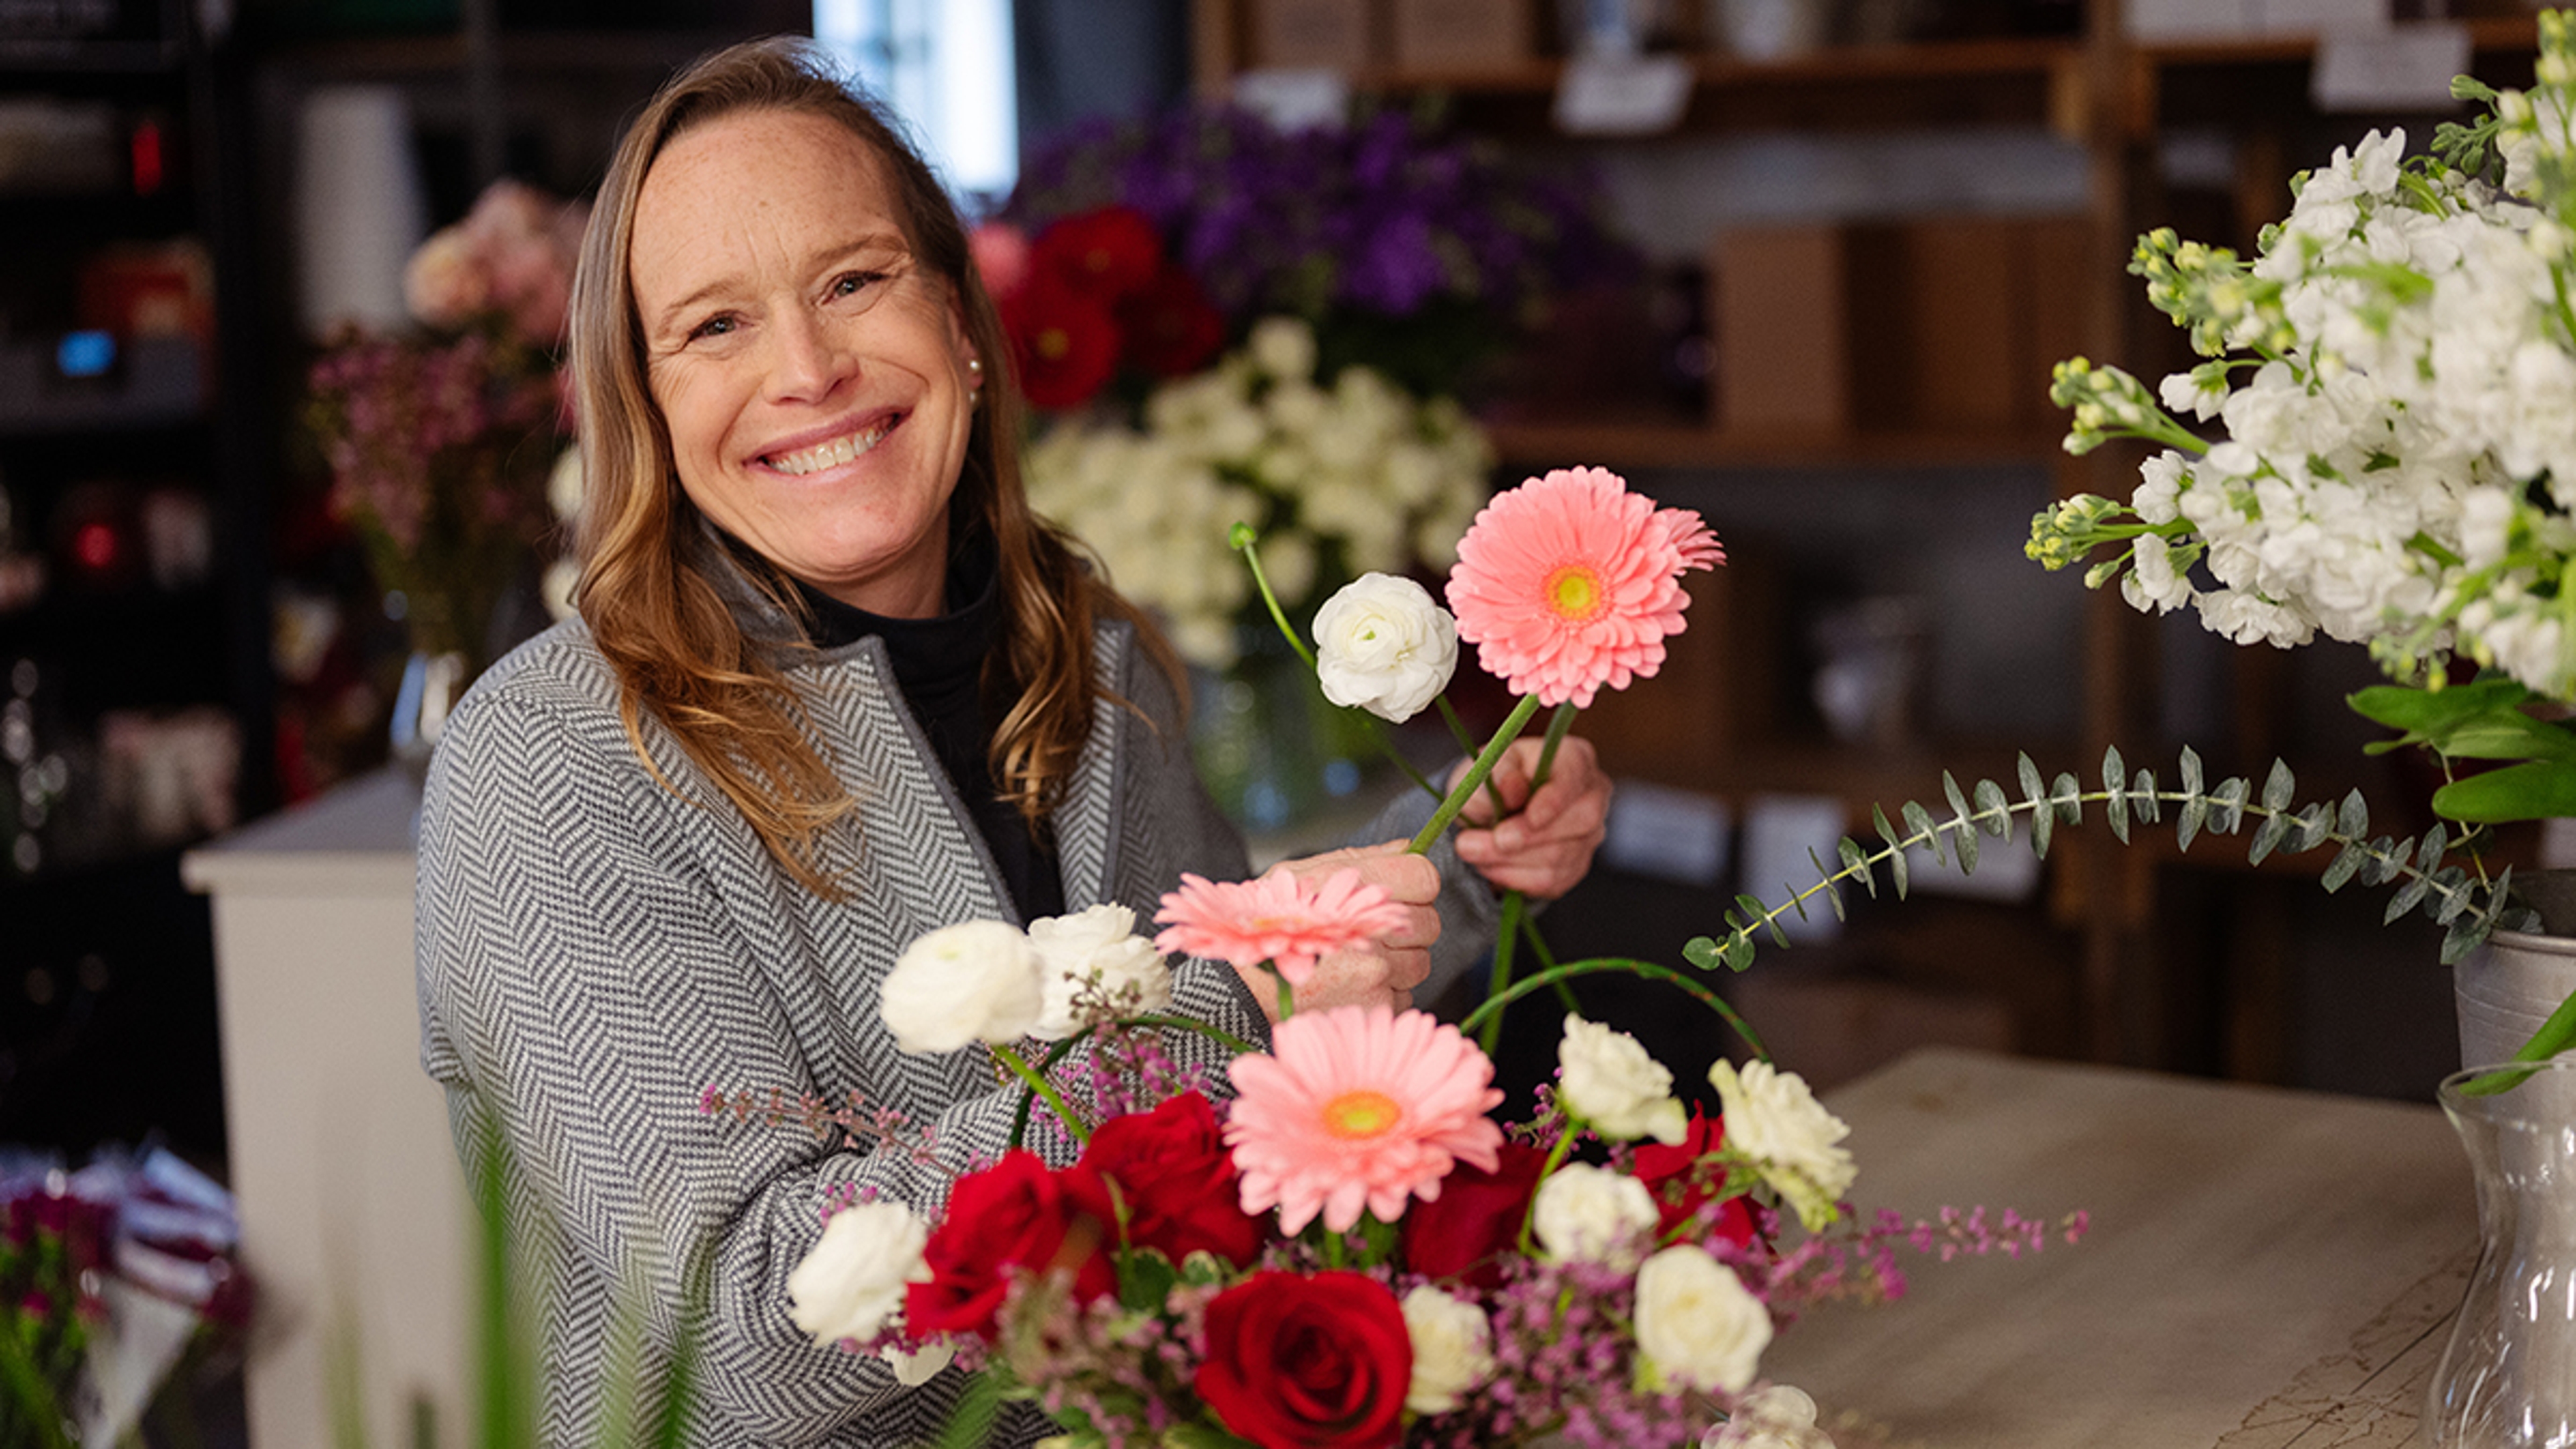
(946, 68)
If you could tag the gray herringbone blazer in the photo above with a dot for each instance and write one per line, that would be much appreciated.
(595, 950)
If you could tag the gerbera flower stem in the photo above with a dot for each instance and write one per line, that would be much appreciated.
(1456, 799)
(1037, 1082)
(1515, 902)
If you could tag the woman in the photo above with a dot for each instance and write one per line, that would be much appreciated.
(832, 687)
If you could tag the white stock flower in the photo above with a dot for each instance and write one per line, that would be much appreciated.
(1452, 1349)
(1610, 1082)
(1775, 1416)
(1787, 1134)
(1283, 347)
(1587, 1214)
(1382, 645)
(974, 981)
(1096, 948)
(852, 1283)
(1697, 1325)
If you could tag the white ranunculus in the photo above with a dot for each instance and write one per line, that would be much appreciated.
(1609, 1081)
(1100, 945)
(1587, 1214)
(1788, 1135)
(1453, 1349)
(851, 1285)
(1697, 1325)
(1382, 644)
(1775, 1416)
(974, 981)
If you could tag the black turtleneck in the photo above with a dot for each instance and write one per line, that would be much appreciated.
(939, 668)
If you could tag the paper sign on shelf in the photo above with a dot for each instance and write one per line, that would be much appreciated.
(1622, 95)
(2406, 67)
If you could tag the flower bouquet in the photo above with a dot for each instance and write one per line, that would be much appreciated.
(1334, 1244)
(440, 440)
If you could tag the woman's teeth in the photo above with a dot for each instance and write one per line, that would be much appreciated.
(831, 454)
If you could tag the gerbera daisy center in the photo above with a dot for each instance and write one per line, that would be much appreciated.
(1574, 592)
(1363, 1113)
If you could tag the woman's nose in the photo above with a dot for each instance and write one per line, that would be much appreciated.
(809, 360)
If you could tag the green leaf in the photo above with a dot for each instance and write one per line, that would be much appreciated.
(2189, 819)
(1964, 831)
(2536, 790)
(1145, 1279)
(2115, 793)
(971, 1422)
(2279, 787)
(2043, 824)
(2032, 791)
(2068, 798)
(1739, 952)
(1756, 913)
(2352, 822)
(1856, 860)
(2429, 854)
(2467, 930)
(2387, 858)
(2347, 861)
(2142, 798)
(2190, 771)
(1994, 810)
(1896, 867)
(1196, 1435)
(2450, 895)
(2406, 897)
(2227, 805)
(1918, 826)
(2267, 836)
(2434, 711)
(1701, 952)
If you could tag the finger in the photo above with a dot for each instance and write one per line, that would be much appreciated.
(1574, 775)
(1407, 879)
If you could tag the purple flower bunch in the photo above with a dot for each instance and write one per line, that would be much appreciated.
(1385, 218)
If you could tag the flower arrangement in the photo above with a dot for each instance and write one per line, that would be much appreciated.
(440, 439)
(110, 1278)
(1336, 1245)
(1229, 322)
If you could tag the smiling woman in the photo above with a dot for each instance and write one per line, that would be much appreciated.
(832, 688)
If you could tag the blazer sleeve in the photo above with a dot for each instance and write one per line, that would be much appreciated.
(581, 986)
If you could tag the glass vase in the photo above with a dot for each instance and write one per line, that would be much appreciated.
(1270, 748)
(2508, 1378)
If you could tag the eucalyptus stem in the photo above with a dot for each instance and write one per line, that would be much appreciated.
(1044, 1088)
(1689, 985)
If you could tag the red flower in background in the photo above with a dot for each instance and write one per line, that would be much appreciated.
(1015, 1214)
(1318, 1361)
(1067, 344)
(1111, 253)
(1464, 1234)
(1680, 1192)
(1171, 327)
(1175, 1179)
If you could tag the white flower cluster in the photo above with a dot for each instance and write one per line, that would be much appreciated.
(1353, 477)
(989, 981)
(2400, 439)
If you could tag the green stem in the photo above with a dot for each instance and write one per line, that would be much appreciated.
(1219, 1035)
(1467, 747)
(1547, 962)
(1458, 795)
(1506, 936)
(1558, 725)
(1688, 985)
(1044, 1088)
(1287, 993)
(1244, 536)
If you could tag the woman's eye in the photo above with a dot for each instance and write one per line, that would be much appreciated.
(712, 327)
(851, 284)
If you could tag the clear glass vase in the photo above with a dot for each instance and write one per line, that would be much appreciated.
(2508, 1378)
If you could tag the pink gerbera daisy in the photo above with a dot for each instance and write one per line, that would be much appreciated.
(1277, 918)
(1358, 1107)
(1570, 582)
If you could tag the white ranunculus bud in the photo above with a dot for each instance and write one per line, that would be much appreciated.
(1383, 645)
(1453, 1349)
(1587, 1214)
(974, 981)
(914, 1367)
(1608, 1080)
(1791, 1139)
(1095, 945)
(852, 1283)
(1697, 1325)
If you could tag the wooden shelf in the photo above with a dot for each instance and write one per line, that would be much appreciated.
(1687, 445)
(2188, 67)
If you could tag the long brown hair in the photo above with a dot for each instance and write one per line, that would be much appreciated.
(645, 589)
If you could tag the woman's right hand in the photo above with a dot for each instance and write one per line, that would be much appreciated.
(1384, 971)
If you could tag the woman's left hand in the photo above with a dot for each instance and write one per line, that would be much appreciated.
(1543, 845)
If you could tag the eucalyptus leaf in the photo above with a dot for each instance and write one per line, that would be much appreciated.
(2347, 861)
(2142, 798)
(1856, 861)
(2279, 787)
(1994, 809)
(1896, 867)
(2267, 837)
(2406, 898)
(1918, 826)
(2067, 797)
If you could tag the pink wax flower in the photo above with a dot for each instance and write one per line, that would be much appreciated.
(1570, 582)
(1358, 1107)
(1278, 918)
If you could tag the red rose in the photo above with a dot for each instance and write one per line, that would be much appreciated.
(1109, 254)
(1012, 1215)
(1171, 327)
(1175, 1180)
(1679, 1191)
(1464, 1233)
(1067, 344)
(1316, 1361)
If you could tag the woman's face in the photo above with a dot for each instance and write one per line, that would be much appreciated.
(815, 379)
